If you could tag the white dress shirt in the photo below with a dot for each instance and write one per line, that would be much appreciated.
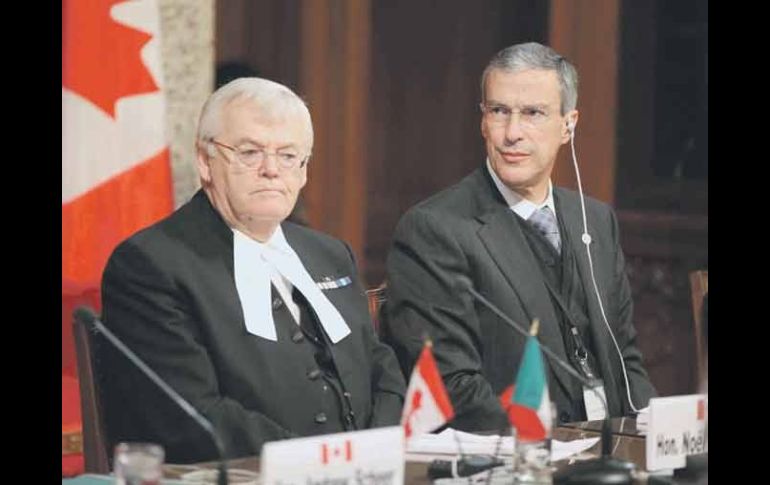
(518, 204)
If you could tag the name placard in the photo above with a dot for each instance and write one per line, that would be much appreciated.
(678, 428)
(372, 457)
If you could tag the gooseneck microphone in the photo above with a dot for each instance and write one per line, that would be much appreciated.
(604, 469)
(465, 466)
(89, 318)
(465, 286)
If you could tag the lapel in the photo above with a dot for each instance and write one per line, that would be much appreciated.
(214, 240)
(568, 206)
(507, 246)
(307, 249)
(214, 228)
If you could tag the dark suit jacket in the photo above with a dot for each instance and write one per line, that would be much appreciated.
(169, 294)
(467, 232)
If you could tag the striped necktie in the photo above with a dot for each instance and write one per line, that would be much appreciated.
(544, 220)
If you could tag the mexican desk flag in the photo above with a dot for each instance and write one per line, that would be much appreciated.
(427, 404)
(530, 410)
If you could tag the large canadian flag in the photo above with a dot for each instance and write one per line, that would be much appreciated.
(427, 405)
(116, 175)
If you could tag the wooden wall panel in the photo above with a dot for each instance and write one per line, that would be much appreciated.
(427, 60)
(334, 73)
(263, 34)
(661, 250)
(586, 32)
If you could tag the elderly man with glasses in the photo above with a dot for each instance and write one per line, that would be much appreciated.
(261, 324)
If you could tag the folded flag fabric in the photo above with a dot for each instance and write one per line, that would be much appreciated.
(506, 400)
(530, 410)
(427, 404)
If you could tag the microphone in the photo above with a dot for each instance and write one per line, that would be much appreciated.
(89, 318)
(463, 467)
(604, 469)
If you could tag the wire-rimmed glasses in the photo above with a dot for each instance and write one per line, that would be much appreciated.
(529, 116)
(253, 157)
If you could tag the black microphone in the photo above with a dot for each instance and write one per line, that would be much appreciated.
(87, 316)
(604, 469)
(464, 466)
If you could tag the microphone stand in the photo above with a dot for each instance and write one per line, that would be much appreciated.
(88, 317)
(602, 470)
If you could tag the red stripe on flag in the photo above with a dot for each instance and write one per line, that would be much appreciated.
(94, 223)
(506, 399)
(527, 423)
(324, 454)
(348, 450)
(432, 377)
(507, 396)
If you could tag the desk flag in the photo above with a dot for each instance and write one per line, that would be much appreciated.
(427, 404)
(530, 410)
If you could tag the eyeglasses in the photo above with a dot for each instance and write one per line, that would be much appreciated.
(529, 116)
(251, 158)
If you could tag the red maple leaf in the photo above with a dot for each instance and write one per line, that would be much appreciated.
(100, 57)
(417, 400)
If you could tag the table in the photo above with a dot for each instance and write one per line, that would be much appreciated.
(628, 444)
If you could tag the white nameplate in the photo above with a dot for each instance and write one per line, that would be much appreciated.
(678, 427)
(595, 409)
(359, 457)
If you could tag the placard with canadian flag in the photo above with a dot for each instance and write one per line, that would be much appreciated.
(371, 456)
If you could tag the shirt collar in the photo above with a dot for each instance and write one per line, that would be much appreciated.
(518, 204)
(276, 241)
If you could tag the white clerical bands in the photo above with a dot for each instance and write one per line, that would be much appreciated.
(254, 262)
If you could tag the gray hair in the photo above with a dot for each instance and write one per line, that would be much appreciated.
(274, 101)
(532, 55)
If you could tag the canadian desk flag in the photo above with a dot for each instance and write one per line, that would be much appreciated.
(530, 410)
(427, 404)
(116, 176)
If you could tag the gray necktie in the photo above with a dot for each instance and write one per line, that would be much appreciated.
(544, 220)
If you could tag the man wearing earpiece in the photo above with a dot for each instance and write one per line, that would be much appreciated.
(522, 243)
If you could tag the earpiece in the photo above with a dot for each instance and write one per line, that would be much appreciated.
(586, 239)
